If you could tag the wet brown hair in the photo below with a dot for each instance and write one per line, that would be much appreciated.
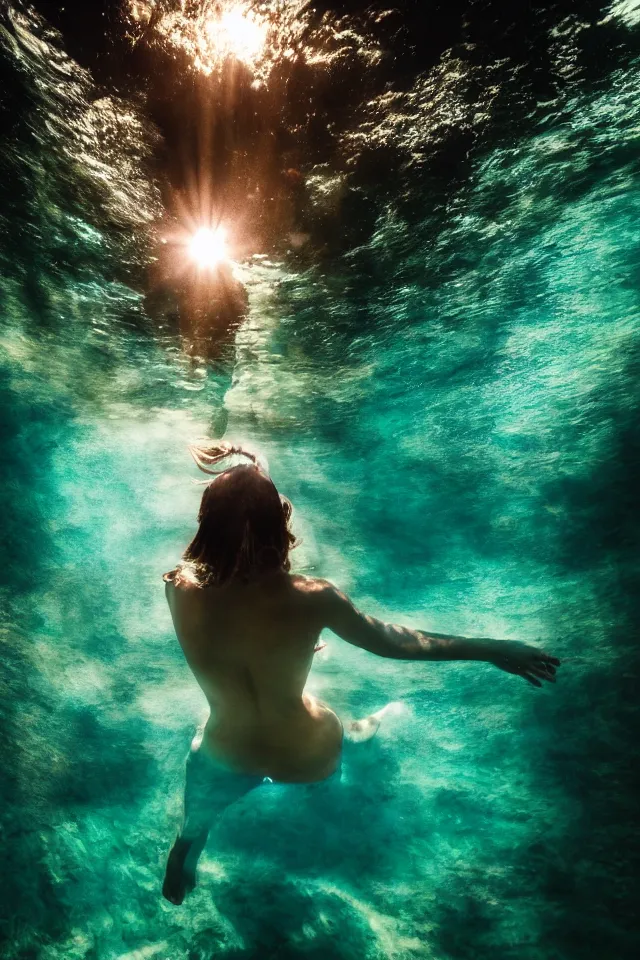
(243, 522)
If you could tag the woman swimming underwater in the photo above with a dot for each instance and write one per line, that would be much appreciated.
(249, 628)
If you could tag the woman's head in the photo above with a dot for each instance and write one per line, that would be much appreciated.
(243, 523)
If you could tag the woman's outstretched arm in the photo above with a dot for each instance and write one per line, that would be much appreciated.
(403, 643)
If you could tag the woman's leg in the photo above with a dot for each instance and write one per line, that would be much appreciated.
(209, 790)
(358, 731)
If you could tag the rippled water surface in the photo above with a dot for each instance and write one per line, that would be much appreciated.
(440, 361)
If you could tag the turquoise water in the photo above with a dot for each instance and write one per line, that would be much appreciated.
(451, 405)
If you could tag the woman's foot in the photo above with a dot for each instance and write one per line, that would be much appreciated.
(179, 880)
(359, 731)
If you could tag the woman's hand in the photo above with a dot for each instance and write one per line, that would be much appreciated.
(524, 661)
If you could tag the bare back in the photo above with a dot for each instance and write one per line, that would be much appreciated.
(250, 647)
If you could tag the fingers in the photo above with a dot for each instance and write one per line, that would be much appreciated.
(531, 679)
(545, 673)
(538, 671)
(547, 664)
(536, 666)
(544, 670)
(544, 664)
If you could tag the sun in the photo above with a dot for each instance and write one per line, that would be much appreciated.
(235, 33)
(208, 247)
(246, 36)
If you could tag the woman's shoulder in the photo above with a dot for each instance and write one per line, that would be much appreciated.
(181, 576)
(312, 586)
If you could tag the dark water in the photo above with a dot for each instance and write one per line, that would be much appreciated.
(440, 361)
